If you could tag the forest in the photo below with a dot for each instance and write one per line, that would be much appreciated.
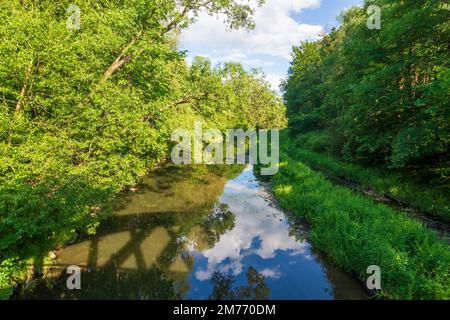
(368, 113)
(379, 98)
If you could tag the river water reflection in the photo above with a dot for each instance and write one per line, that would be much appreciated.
(198, 233)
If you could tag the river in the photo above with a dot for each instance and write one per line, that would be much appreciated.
(197, 233)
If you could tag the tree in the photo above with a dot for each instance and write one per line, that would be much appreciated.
(377, 96)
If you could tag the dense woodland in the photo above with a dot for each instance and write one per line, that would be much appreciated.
(85, 112)
(378, 97)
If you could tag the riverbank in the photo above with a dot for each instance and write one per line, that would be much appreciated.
(357, 233)
(428, 200)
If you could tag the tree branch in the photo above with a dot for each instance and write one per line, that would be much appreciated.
(122, 58)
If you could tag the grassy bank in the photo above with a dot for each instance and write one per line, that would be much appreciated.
(430, 198)
(357, 233)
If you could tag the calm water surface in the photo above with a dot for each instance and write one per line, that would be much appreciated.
(197, 233)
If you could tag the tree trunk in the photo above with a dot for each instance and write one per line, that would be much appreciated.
(20, 101)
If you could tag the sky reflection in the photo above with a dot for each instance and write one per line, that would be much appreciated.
(260, 240)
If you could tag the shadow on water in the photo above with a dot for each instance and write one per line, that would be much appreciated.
(196, 233)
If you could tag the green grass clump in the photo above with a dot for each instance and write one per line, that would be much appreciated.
(357, 233)
(430, 198)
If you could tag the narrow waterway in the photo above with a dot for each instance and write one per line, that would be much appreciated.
(197, 233)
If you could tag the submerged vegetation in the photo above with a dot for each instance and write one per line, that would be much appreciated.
(85, 112)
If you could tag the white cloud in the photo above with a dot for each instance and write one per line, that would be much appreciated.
(271, 41)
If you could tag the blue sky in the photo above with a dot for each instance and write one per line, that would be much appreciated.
(279, 25)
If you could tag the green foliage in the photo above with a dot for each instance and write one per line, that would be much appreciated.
(85, 113)
(318, 141)
(382, 94)
(415, 194)
(357, 233)
(378, 98)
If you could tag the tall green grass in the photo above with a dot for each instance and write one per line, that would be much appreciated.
(357, 233)
(430, 198)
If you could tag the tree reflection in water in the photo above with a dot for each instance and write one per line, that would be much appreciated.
(218, 223)
(128, 269)
(256, 289)
(109, 283)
